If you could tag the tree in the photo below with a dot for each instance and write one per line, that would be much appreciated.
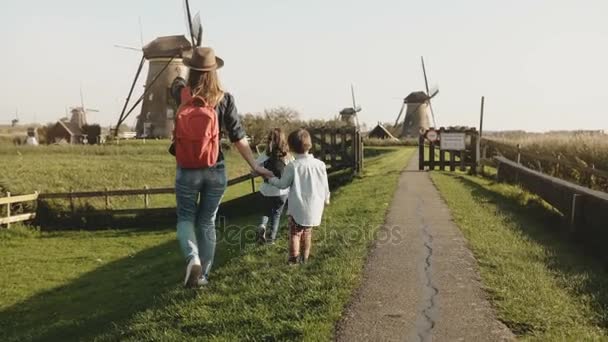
(258, 125)
(281, 115)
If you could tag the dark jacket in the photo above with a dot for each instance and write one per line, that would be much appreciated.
(226, 110)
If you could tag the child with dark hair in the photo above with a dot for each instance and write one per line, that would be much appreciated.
(306, 179)
(275, 158)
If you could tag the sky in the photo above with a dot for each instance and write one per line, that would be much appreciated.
(541, 64)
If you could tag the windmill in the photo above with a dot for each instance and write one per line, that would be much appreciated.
(349, 114)
(417, 106)
(164, 56)
(79, 114)
(15, 121)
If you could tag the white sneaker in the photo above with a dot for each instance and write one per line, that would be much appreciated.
(261, 234)
(194, 271)
(202, 281)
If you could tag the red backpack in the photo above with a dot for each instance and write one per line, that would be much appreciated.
(196, 132)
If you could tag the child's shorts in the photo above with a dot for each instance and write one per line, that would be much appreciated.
(294, 226)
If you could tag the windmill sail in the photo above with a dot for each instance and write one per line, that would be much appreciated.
(197, 29)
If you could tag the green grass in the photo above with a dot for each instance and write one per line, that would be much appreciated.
(61, 168)
(543, 286)
(125, 285)
(129, 165)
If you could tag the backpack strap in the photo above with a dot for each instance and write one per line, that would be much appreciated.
(188, 99)
(185, 95)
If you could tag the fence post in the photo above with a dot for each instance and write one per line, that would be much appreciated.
(432, 156)
(576, 199)
(421, 152)
(475, 155)
(146, 197)
(463, 160)
(518, 154)
(484, 156)
(333, 136)
(361, 151)
(72, 209)
(323, 142)
(442, 162)
(36, 202)
(107, 199)
(452, 161)
(8, 211)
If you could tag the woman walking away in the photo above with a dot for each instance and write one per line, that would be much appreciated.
(306, 179)
(203, 108)
(275, 158)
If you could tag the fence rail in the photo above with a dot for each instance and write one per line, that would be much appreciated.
(519, 152)
(8, 200)
(585, 210)
(133, 192)
(339, 148)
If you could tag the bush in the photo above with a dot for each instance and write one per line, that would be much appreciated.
(258, 125)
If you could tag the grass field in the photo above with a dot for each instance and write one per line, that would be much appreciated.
(125, 285)
(130, 165)
(542, 285)
(576, 153)
(61, 168)
(585, 149)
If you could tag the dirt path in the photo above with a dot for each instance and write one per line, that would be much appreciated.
(422, 285)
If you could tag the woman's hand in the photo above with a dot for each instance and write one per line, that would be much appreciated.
(262, 171)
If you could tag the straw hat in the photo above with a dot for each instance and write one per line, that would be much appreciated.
(203, 59)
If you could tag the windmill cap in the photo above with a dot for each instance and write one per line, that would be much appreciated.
(166, 47)
(417, 97)
(203, 59)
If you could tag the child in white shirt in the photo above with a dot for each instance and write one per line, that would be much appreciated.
(306, 179)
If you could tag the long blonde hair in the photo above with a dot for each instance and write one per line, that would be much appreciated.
(206, 84)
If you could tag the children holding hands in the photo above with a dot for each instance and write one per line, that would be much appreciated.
(306, 179)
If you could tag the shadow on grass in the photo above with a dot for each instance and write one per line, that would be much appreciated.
(111, 295)
(88, 218)
(564, 255)
(92, 305)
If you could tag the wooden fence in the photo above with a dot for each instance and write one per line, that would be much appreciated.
(585, 210)
(339, 148)
(553, 166)
(145, 192)
(449, 157)
(10, 200)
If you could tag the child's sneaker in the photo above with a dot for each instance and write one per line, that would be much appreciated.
(261, 234)
(194, 270)
(203, 280)
(293, 261)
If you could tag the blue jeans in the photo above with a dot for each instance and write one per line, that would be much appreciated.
(273, 208)
(196, 219)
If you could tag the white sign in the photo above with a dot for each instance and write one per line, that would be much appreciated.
(453, 141)
(432, 135)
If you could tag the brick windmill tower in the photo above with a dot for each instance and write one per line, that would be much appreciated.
(165, 62)
(417, 107)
